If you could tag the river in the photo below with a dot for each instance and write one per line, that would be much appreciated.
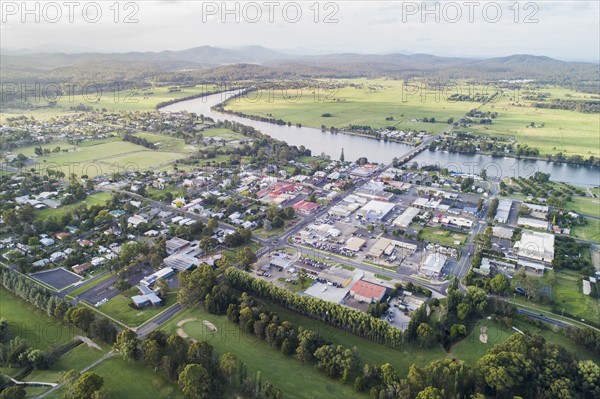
(383, 152)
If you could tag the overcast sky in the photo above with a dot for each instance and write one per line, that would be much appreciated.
(567, 30)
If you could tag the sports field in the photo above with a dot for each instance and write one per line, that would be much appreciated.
(102, 157)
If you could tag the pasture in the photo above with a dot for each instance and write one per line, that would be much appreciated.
(374, 102)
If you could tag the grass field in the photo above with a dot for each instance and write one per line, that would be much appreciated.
(591, 231)
(286, 373)
(569, 132)
(104, 157)
(587, 205)
(76, 359)
(40, 330)
(166, 143)
(567, 293)
(370, 102)
(442, 237)
(90, 200)
(472, 349)
(121, 308)
(130, 380)
(125, 100)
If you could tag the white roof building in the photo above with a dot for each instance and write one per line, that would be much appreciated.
(536, 246)
(433, 264)
(406, 217)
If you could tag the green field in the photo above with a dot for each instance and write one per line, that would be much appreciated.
(103, 157)
(223, 133)
(130, 380)
(587, 205)
(591, 231)
(471, 349)
(369, 103)
(76, 359)
(126, 100)
(90, 200)
(567, 293)
(286, 373)
(40, 330)
(166, 143)
(121, 308)
(442, 237)
(569, 132)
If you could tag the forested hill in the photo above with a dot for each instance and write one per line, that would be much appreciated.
(252, 62)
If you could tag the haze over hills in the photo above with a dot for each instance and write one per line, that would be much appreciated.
(211, 62)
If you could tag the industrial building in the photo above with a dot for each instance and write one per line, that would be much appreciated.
(503, 211)
(376, 210)
(536, 246)
(385, 246)
(367, 292)
(355, 244)
(533, 223)
(406, 217)
(433, 265)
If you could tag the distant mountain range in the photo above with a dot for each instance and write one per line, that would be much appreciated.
(221, 63)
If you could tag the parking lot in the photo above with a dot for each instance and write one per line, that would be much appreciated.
(58, 278)
(106, 289)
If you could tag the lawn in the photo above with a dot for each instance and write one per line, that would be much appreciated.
(40, 330)
(286, 373)
(569, 132)
(231, 254)
(121, 308)
(567, 293)
(587, 205)
(472, 349)
(369, 102)
(442, 237)
(76, 359)
(130, 380)
(368, 351)
(90, 200)
(140, 160)
(591, 231)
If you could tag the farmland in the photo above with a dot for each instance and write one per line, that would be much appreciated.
(366, 102)
(569, 132)
(125, 100)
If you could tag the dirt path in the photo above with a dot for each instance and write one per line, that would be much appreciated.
(87, 341)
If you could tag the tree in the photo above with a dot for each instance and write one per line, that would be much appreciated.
(246, 257)
(194, 382)
(122, 285)
(589, 372)
(86, 385)
(500, 284)
(128, 343)
(228, 365)
(342, 157)
(430, 393)
(457, 331)
(15, 392)
(151, 353)
(424, 334)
